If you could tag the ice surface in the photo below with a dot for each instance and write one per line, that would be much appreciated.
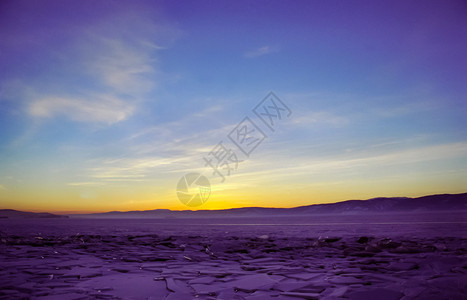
(147, 259)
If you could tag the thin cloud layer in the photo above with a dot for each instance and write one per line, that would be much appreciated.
(101, 71)
(261, 51)
(122, 68)
(101, 109)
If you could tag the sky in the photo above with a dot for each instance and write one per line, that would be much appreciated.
(107, 105)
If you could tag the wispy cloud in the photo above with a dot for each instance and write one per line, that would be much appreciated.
(409, 108)
(306, 165)
(399, 157)
(209, 111)
(2, 187)
(260, 51)
(182, 124)
(301, 170)
(124, 68)
(85, 183)
(168, 149)
(319, 117)
(134, 169)
(113, 73)
(96, 108)
(177, 137)
(123, 75)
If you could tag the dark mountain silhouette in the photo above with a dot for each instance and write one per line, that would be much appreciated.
(433, 203)
(16, 214)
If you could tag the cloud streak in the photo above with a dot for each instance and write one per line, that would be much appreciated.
(321, 118)
(99, 108)
(135, 169)
(260, 170)
(127, 69)
(113, 72)
(261, 51)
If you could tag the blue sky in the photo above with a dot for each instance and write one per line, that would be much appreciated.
(104, 106)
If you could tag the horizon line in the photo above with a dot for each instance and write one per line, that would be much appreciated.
(64, 213)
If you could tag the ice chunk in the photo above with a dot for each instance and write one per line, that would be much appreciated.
(252, 282)
(378, 293)
(301, 295)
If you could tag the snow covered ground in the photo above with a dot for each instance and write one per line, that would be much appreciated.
(404, 256)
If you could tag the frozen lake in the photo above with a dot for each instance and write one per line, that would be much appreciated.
(403, 224)
(403, 256)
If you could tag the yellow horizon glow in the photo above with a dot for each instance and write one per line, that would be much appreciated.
(278, 197)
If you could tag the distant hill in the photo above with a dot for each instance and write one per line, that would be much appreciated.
(16, 214)
(433, 203)
(443, 202)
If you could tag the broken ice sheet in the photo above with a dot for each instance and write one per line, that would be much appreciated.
(252, 282)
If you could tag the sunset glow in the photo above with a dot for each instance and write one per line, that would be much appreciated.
(105, 107)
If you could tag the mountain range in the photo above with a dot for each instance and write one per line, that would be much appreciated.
(432, 203)
(443, 202)
(16, 214)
